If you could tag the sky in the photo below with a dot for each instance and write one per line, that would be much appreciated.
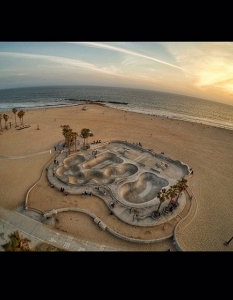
(198, 69)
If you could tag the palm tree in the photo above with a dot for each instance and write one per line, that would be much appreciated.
(22, 114)
(17, 243)
(69, 138)
(67, 132)
(181, 186)
(162, 195)
(5, 117)
(15, 111)
(19, 114)
(172, 193)
(65, 129)
(74, 139)
(85, 134)
(1, 121)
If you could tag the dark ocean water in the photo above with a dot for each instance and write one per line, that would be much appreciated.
(143, 101)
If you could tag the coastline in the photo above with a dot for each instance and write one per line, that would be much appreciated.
(125, 108)
(207, 149)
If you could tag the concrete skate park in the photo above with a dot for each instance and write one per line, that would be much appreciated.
(124, 175)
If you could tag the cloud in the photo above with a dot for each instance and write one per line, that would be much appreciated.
(74, 63)
(122, 50)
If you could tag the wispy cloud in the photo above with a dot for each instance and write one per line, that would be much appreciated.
(74, 63)
(122, 50)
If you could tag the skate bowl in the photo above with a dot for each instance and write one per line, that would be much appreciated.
(133, 176)
(144, 189)
(75, 174)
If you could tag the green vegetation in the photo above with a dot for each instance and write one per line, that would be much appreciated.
(17, 243)
(44, 247)
(20, 114)
(5, 117)
(70, 137)
(14, 110)
(85, 132)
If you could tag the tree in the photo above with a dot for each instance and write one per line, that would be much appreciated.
(74, 139)
(19, 114)
(5, 117)
(15, 111)
(68, 136)
(181, 186)
(85, 132)
(22, 114)
(17, 243)
(172, 193)
(1, 121)
(162, 196)
(65, 130)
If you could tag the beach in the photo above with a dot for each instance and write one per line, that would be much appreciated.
(206, 149)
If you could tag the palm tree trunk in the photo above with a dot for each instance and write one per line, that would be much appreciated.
(169, 203)
(158, 207)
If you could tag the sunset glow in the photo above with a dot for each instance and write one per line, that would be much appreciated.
(198, 69)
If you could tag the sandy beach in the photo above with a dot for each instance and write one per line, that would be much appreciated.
(206, 149)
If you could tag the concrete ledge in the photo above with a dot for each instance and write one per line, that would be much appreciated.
(102, 225)
(97, 220)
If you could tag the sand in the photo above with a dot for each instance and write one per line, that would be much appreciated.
(208, 150)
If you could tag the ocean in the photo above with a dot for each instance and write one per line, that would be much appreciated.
(137, 100)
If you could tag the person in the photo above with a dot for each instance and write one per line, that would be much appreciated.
(53, 174)
(55, 148)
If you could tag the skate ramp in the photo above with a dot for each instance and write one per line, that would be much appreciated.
(144, 189)
(101, 160)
